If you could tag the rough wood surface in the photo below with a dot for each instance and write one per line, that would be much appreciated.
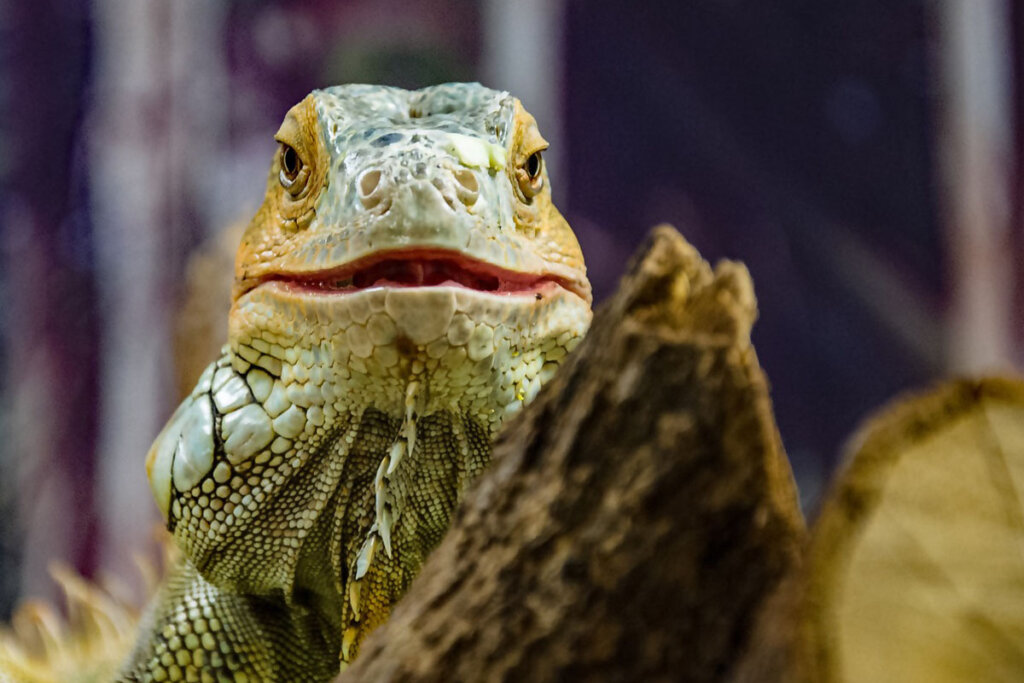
(636, 514)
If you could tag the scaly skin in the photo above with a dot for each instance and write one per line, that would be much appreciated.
(406, 285)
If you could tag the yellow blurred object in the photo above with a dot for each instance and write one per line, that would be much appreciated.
(915, 571)
(85, 643)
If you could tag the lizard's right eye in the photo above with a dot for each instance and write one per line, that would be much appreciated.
(291, 168)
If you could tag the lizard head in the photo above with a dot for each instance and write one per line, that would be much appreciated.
(409, 233)
(446, 176)
(406, 284)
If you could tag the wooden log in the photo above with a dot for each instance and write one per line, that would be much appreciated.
(636, 514)
(915, 570)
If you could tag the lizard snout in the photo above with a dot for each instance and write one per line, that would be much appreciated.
(378, 187)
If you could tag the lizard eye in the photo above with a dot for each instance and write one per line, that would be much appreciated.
(291, 176)
(533, 165)
(531, 182)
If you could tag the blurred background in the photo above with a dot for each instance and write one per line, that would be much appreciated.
(864, 160)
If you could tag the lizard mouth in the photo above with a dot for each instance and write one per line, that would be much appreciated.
(422, 268)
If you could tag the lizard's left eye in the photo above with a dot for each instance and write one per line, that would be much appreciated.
(531, 181)
(291, 176)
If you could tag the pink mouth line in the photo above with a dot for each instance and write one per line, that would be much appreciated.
(421, 268)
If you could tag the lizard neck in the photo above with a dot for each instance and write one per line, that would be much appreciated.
(319, 460)
(383, 517)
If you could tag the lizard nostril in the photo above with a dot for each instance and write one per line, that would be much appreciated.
(368, 184)
(468, 180)
(468, 189)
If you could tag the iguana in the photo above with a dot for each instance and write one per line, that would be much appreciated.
(406, 285)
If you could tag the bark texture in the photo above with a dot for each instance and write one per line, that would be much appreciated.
(636, 515)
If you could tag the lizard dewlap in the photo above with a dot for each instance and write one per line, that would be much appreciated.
(406, 285)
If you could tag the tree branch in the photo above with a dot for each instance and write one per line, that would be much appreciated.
(636, 514)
